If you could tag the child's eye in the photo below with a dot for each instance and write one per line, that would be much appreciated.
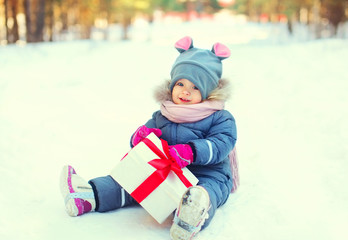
(195, 88)
(180, 84)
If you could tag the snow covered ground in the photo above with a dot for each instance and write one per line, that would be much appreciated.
(78, 103)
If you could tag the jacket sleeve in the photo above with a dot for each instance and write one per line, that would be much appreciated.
(219, 141)
(152, 122)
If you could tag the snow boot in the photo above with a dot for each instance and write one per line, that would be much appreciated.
(191, 214)
(77, 193)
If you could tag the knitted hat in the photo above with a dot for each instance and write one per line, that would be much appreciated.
(201, 66)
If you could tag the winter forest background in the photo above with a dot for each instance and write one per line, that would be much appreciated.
(77, 79)
(54, 20)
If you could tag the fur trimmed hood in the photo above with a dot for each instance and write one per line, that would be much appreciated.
(221, 93)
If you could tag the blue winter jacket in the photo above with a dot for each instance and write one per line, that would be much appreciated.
(213, 139)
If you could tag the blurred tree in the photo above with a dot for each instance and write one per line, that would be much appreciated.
(291, 9)
(35, 20)
(241, 6)
(49, 21)
(190, 6)
(255, 8)
(62, 14)
(170, 5)
(211, 5)
(11, 23)
(153, 6)
(107, 10)
(198, 6)
(127, 10)
(88, 10)
(334, 11)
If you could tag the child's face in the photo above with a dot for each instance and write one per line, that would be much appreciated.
(185, 92)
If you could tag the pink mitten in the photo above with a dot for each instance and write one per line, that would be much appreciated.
(182, 153)
(142, 132)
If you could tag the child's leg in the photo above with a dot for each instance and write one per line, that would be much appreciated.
(109, 195)
(218, 194)
(100, 194)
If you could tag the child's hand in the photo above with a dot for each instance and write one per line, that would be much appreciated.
(182, 153)
(142, 132)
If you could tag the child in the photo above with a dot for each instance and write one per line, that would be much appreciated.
(200, 134)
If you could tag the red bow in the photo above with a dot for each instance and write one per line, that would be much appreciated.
(164, 165)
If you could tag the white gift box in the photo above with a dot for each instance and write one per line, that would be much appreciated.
(134, 169)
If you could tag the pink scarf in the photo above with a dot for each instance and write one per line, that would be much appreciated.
(195, 112)
(190, 113)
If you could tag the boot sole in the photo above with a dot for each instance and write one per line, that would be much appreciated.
(192, 210)
(71, 205)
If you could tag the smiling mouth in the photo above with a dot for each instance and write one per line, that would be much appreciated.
(184, 100)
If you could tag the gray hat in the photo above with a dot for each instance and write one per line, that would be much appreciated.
(201, 66)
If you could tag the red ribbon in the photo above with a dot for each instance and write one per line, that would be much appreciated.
(164, 165)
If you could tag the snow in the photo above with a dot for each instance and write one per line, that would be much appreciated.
(78, 102)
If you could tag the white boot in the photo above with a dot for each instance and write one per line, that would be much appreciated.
(191, 214)
(77, 193)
